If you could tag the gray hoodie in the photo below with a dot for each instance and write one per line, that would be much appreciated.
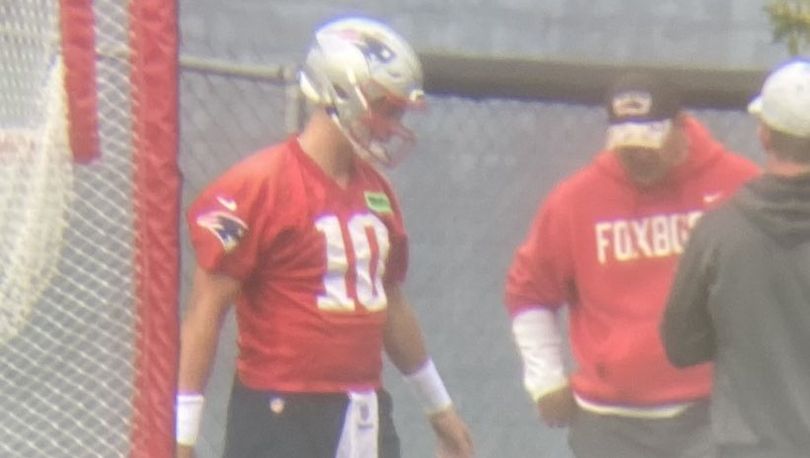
(741, 297)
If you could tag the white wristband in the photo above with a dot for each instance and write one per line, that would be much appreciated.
(189, 412)
(429, 388)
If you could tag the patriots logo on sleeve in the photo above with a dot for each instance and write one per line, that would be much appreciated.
(228, 228)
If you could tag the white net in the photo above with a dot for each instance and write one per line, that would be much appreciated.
(36, 177)
(68, 317)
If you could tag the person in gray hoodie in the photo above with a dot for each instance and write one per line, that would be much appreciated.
(741, 294)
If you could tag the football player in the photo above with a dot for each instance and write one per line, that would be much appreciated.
(307, 239)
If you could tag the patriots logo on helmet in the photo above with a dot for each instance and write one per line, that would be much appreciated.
(376, 50)
(228, 228)
(373, 48)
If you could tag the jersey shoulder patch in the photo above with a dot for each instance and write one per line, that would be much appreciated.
(227, 227)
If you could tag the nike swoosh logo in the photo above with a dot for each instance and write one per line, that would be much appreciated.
(230, 204)
(709, 198)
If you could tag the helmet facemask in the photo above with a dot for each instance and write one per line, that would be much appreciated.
(367, 78)
(377, 132)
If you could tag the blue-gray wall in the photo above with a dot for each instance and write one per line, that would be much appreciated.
(727, 33)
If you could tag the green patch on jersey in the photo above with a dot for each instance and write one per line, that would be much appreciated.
(378, 202)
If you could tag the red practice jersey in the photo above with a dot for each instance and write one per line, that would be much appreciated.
(313, 258)
(609, 249)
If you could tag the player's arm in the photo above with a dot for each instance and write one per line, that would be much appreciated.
(537, 285)
(539, 342)
(211, 295)
(405, 346)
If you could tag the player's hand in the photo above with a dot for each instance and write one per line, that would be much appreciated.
(184, 451)
(454, 439)
(557, 407)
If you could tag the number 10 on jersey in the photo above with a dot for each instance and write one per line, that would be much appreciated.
(369, 263)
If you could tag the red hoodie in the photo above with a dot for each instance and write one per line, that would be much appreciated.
(608, 249)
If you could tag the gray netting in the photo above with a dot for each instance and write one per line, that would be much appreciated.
(67, 380)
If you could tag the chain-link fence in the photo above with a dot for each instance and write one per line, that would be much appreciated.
(468, 193)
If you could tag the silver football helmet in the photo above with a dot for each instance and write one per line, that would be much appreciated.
(367, 77)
